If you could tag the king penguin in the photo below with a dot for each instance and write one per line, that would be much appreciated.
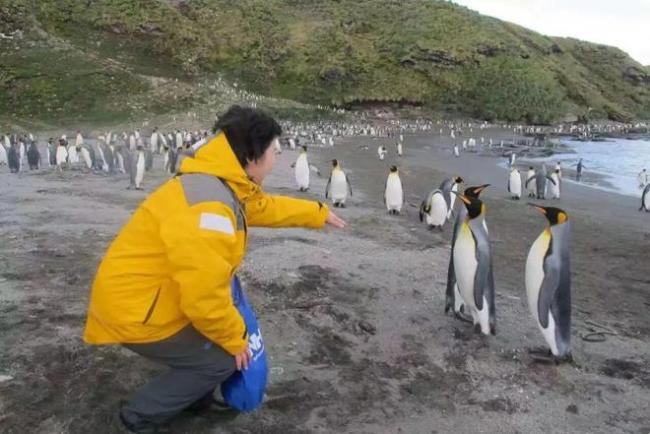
(448, 187)
(85, 151)
(137, 166)
(548, 283)
(13, 159)
(473, 266)
(530, 186)
(51, 152)
(33, 157)
(73, 155)
(153, 141)
(21, 152)
(645, 199)
(554, 188)
(338, 186)
(3, 154)
(393, 192)
(434, 209)
(301, 170)
(540, 182)
(382, 152)
(453, 300)
(61, 154)
(514, 184)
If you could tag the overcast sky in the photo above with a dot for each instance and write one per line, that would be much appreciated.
(621, 23)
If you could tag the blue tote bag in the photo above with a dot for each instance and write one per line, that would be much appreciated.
(244, 390)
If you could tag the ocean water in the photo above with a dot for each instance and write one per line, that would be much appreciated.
(619, 161)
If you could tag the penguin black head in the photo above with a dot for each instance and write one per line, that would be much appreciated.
(475, 191)
(458, 180)
(335, 162)
(531, 168)
(393, 169)
(555, 216)
(304, 148)
(474, 205)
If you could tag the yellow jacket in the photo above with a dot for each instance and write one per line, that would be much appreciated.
(172, 263)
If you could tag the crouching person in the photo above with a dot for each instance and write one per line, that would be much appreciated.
(163, 289)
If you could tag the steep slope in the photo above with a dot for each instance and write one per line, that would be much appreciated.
(344, 52)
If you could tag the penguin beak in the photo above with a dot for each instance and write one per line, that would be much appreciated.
(539, 208)
(463, 198)
(481, 188)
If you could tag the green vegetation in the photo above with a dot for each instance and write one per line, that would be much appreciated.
(94, 59)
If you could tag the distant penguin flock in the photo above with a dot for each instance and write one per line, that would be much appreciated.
(109, 153)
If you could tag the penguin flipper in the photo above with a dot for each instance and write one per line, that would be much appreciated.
(529, 180)
(450, 296)
(551, 179)
(327, 187)
(483, 279)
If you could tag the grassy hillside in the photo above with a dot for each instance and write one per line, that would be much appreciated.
(98, 58)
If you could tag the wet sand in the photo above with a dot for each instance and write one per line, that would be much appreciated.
(353, 320)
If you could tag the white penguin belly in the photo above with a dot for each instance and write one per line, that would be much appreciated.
(73, 157)
(438, 214)
(139, 174)
(302, 172)
(646, 201)
(394, 194)
(532, 187)
(338, 187)
(61, 155)
(465, 265)
(534, 279)
(515, 184)
(86, 156)
(554, 188)
(458, 299)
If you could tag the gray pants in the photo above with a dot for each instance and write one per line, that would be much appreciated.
(198, 366)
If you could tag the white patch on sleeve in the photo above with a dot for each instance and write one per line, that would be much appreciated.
(216, 222)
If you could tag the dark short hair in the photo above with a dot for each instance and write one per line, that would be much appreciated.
(249, 132)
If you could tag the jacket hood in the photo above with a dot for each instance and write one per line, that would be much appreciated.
(214, 156)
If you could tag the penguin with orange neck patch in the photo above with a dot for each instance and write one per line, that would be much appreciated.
(473, 266)
(548, 285)
(453, 299)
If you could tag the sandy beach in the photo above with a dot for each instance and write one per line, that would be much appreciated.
(353, 320)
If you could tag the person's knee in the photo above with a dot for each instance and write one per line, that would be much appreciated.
(217, 368)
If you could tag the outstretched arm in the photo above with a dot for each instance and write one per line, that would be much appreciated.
(281, 211)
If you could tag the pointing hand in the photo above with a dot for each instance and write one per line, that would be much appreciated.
(334, 220)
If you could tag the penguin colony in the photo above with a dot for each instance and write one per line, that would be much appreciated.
(111, 154)
(470, 289)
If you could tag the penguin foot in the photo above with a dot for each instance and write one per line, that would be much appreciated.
(465, 318)
(544, 355)
(341, 205)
